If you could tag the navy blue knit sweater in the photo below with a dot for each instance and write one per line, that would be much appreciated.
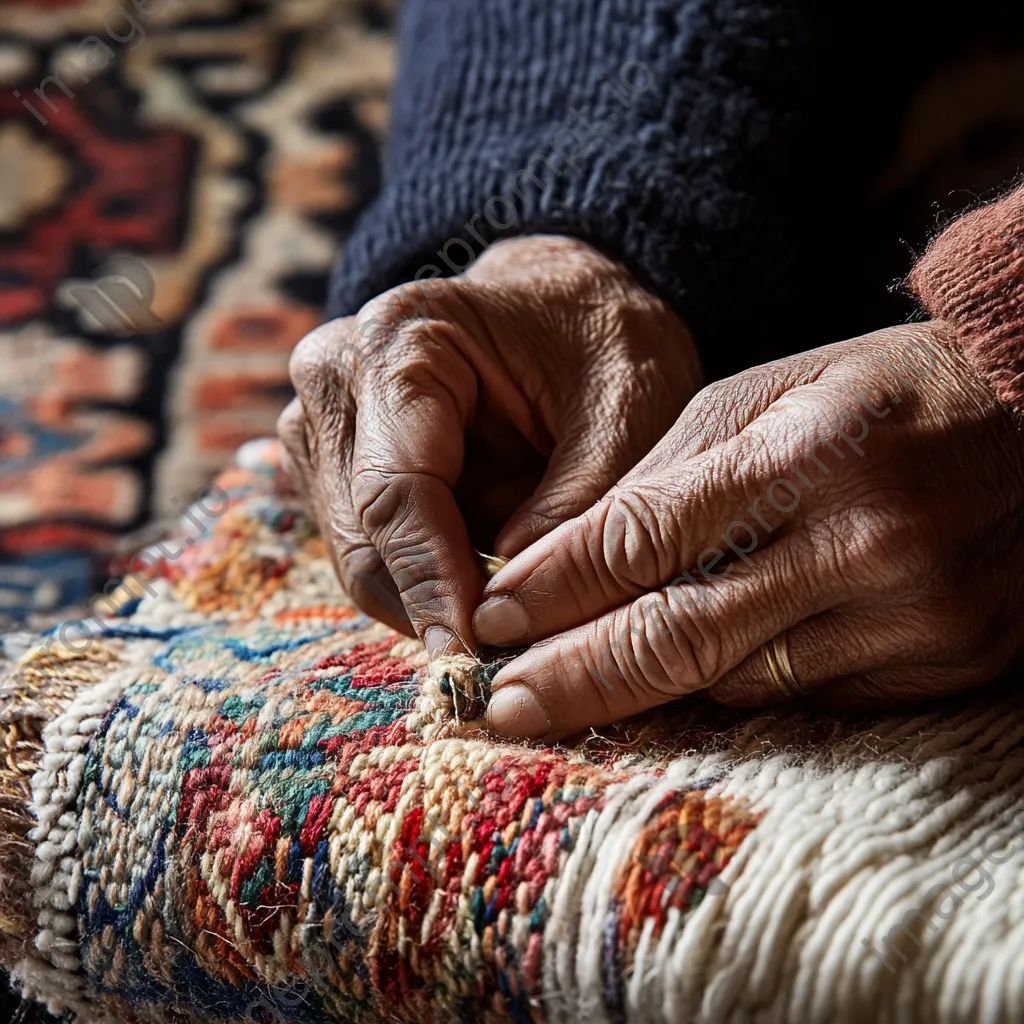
(720, 148)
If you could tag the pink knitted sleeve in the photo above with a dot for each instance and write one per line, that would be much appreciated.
(972, 276)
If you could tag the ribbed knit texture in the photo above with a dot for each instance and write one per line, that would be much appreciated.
(973, 277)
(692, 184)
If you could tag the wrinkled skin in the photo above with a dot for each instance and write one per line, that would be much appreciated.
(892, 564)
(865, 499)
(477, 412)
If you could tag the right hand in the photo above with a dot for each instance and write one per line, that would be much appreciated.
(422, 426)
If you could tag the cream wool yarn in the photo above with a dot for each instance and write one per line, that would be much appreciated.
(53, 977)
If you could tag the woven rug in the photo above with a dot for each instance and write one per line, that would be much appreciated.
(248, 806)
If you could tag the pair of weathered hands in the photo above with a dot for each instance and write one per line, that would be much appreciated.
(866, 499)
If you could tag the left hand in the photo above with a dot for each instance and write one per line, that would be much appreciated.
(478, 413)
(865, 499)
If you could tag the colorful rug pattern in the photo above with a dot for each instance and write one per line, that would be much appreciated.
(254, 810)
(264, 825)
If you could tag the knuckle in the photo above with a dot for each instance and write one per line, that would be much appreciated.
(848, 544)
(950, 629)
(666, 651)
(413, 356)
(308, 353)
(368, 581)
(397, 310)
(320, 364)
(291, 428)
(988, 658)
(951, 639)
(308, 357)
(566, 501)
(302, 447)
(553, 510)
(356, 562)
(709, 411)
(601, 665)
(417, 374)
(920, 572)
(411, 564)
(422, 593)
(518, 260)
(296, 482)
(635, 545)
(383, 513)
(871, 548)
(717, 411)
(377, 500)
(943, 586)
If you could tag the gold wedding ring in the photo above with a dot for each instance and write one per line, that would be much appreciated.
(776, 655)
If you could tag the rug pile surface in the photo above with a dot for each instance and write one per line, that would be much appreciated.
(248, 807)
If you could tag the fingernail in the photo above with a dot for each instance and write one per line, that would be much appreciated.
(515, 712)
(501, 620)
(439, 640)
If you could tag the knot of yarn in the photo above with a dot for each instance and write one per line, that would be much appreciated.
(457, 687)
(461, 685)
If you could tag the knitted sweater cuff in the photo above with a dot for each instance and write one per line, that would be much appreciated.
(972, 276)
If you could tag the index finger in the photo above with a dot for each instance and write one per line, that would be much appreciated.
(410, 422)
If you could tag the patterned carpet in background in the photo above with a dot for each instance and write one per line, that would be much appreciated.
(165, 240)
